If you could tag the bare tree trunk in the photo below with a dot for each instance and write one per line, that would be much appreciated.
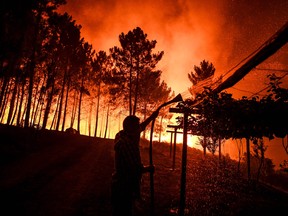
(16, 105)
(20, 104)
(5, 100)
(89, 117)
(101, 126)
(53, 124)
(31, 71)
(97, 109)
(39, 101)
(74, 108)
(30, 91)
(107, 119)
(35, 102)
(66, 105)
(61, 100)
(22, 118)
(4, 88)
(48, 106)
(12, 102)
(41, 111)
(37, 108)
(79, 105)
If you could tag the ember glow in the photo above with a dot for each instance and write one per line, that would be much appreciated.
(223, 32)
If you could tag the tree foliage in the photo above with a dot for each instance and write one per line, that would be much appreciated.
(132, 60)
(49, 73)
(206, 70)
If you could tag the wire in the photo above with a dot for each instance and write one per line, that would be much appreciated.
(243, 90)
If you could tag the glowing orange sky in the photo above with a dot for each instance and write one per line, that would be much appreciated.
(222, 32)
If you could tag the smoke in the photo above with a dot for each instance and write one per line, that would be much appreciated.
(222, 32)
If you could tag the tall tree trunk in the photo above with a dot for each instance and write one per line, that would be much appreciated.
(101, 126)
(5, 100)
(12, 101)
(37, 102)
(97, 109)
(89, 118)
(16, 105)
(66, 104)
(61, 99)
(22, 118)
(40, 115)
(53, 124)
(31, 71)
(48, 106)
(74, 108)
(79, 105)
(30, 89)
(37, 108)
(107, 119)
(5, 83)
(21, 102)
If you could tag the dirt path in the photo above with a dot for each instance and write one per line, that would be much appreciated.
(59, 180)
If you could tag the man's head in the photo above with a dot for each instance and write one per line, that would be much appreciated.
(131, 124)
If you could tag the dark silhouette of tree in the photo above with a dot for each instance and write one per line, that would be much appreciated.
(152, 93)
(15, 20)
(131, 60)
(54, 53)
(41, 11)
(85, 54)
(219, 115)
(47, 68)
(24, 26)
(201, 73)
(101, 66)
(68, 41)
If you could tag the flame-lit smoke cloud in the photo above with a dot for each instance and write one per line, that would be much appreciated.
(222, 32)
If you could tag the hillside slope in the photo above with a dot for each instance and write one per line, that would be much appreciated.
(50, 173)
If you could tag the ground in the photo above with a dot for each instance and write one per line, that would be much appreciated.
(51, 173)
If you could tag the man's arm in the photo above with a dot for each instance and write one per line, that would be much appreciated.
(149, 119)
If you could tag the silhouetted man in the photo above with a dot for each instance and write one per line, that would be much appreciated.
(128, 166)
